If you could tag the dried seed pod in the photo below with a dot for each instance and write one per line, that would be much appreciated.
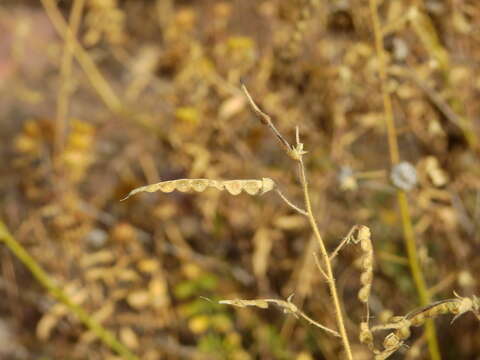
(366, 336)
(287, 306)
(360, 234)
(234, 187)
(366, 278)
(391, 341)
(402, 325)
(404, 176)
(391, 344)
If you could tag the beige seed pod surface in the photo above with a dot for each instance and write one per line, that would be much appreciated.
(233, 187)
(402, 324)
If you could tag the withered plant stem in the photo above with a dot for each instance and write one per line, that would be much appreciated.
(98, 81)
(63, 96)
(296, 152)
(289, 203)
(96, 78)
(409, 236)
(326, 262)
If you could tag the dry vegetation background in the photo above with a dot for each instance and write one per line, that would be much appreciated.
(153, 93)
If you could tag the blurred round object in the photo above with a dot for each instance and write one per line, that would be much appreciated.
(404, 176)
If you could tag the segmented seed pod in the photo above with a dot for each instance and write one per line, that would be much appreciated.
(418, 319)
(366, 278)
(403, 324)
(233, 187)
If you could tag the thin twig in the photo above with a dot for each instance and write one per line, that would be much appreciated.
(319, 266)
(289, 203)
(344, 242)
(267, 120)
(287, 305)
(313, 322)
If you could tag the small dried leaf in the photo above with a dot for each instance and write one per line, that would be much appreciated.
(244, 303)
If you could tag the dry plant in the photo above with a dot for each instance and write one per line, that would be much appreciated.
(175, 74)
(402, 324)
(253, 187)
(358, 235)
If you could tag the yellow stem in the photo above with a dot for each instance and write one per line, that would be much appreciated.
(409, 236)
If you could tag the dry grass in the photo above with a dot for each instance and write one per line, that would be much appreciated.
(101, 97)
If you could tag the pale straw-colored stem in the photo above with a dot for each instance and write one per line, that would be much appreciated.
(326, 262)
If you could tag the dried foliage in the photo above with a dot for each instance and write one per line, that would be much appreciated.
(100, 97)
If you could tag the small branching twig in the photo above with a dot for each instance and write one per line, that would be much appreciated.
(267, 120)
(254, 187)
(287, 306)
(296, 153)
(289, 203)
(319, 266)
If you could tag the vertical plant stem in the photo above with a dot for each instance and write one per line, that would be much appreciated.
(42, 277)
(65, 72)
(96, 78)
(326, 260)
(408, 233)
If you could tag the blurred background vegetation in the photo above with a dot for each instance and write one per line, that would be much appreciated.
(98, 97)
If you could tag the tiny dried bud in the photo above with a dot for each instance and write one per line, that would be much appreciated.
(366, 336)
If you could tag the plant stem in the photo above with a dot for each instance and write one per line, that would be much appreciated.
(408, 233)
(42, 277)
(326, 261)
(64, 93)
